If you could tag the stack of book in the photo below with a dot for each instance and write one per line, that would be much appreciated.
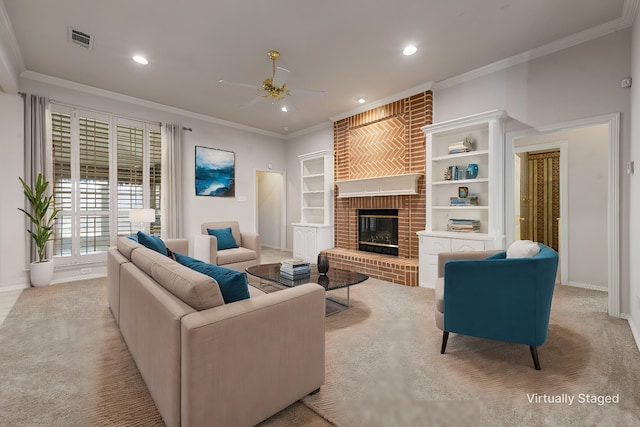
(471, 200)
(294, 269)
(460, 147)
(464, 225)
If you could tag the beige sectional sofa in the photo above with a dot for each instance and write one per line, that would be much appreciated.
(207, 363)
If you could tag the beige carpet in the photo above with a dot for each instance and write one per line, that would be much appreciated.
(384, 366)
(64, 362)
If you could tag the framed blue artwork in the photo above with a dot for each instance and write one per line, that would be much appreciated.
(215, 172)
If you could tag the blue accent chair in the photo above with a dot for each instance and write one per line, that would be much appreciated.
(496, 298)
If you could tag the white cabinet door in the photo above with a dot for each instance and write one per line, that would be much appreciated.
(298, 242)
(430, 247)
(310, 239)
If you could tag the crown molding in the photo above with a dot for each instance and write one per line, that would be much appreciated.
(308, 130)
(55, 81)
(384, 101)
(626, 20)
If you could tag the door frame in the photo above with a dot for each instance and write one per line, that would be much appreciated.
(283, 204)
(563, 235)
(613, 187)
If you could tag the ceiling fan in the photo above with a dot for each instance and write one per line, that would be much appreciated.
(275, 87)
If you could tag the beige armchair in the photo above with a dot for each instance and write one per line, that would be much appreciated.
(246, 254)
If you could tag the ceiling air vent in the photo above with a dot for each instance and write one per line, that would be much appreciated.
(80, 38)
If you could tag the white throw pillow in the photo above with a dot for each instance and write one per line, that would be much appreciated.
(523, 249)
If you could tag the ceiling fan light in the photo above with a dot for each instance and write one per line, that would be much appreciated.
(140, 59)
(409, 50)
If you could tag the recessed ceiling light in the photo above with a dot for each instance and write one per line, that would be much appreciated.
(140, 59)
(284, 108)
(409, 50)
(361, 100)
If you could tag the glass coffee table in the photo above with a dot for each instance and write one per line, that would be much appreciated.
(334, 279)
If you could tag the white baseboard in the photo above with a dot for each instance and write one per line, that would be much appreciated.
(77, 278)
(586, 286)
(634, 331)
(14, 287)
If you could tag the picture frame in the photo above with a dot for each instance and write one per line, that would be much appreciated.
(214, 172)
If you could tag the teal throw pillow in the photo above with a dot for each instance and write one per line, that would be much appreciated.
(224, 236)
(233, 284)
(498, 255)
(152, 242)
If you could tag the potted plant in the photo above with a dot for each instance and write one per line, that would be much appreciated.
(41, 270)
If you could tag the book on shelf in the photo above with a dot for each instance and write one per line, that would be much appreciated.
(463, 225)
(470, 200)
(460, 147)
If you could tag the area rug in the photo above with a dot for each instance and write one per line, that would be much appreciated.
(64, 363)
(384, 367)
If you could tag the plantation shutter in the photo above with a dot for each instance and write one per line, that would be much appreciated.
(103, 166)
(94, 185)
(155, 177)
(62, 183)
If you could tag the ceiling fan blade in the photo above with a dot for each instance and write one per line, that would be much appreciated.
(308, 93)
(244, 85)
(254, 101)
(280, 76)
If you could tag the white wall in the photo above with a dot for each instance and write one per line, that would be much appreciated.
(253, 151)
(576, 83)
(634, 186)
(587, 209)
(320, 139)
(13, 236)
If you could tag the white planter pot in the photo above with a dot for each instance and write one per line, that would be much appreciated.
(41, 273)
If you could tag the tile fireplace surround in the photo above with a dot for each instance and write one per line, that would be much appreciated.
(385, 141)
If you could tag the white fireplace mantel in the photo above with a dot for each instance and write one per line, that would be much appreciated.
(394, 185)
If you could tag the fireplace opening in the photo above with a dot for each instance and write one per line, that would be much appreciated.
(378, 231)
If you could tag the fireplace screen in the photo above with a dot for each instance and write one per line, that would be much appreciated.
(378, 231)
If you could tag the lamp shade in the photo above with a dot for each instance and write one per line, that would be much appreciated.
(142, 215)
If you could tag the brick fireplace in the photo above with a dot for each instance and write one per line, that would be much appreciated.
(384, 141)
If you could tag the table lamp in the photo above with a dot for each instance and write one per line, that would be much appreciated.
(142, 217)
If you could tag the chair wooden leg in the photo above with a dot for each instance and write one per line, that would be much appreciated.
(445, 337)
(534, 354)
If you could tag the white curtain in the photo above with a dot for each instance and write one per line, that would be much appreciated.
(37, 148)
(171, 197)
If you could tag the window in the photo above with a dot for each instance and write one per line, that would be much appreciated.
(103, 165)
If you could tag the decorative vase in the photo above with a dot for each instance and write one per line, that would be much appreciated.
(323, 264)
(472, 171)
(41, 273)
(323, 280)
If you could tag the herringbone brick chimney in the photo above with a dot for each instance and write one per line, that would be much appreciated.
(384, 141)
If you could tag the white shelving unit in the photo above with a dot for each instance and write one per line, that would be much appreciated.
(486, 130)
(315, 231)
